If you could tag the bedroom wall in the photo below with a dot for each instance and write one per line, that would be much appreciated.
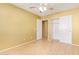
(16, 26)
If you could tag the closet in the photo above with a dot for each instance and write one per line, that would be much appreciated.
(62, 29)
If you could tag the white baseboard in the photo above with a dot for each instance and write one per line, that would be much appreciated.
(69, 44)
(75, 44)
(3, 50)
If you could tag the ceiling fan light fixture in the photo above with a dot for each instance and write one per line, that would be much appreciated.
(42, 9)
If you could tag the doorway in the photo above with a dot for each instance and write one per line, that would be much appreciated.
(45, 29)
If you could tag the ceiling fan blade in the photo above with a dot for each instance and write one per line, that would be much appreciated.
(32, 7)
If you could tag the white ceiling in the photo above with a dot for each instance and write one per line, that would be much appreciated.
(57, 7)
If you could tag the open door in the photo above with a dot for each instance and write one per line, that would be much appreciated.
(39, 30)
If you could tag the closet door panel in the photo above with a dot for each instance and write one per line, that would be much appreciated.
(55, 29)
(65, 29)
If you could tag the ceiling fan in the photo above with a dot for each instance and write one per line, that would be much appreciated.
(42, 8)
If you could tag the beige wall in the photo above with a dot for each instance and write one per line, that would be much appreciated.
(15, 25)
(75, 23)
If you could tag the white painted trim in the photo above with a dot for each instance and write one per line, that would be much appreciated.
(71, 44)
(75, 44)
(16, 46)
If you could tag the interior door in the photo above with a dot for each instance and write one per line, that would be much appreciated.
(39, 30)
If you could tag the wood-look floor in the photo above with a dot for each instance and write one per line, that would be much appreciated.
(43, 47)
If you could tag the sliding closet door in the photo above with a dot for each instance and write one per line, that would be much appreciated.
(62, 29)
(65, 29)
(39, 30)
(55, 29)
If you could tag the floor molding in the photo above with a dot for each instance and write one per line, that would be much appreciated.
(75, 44)
(69, 44)
(3, 50)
